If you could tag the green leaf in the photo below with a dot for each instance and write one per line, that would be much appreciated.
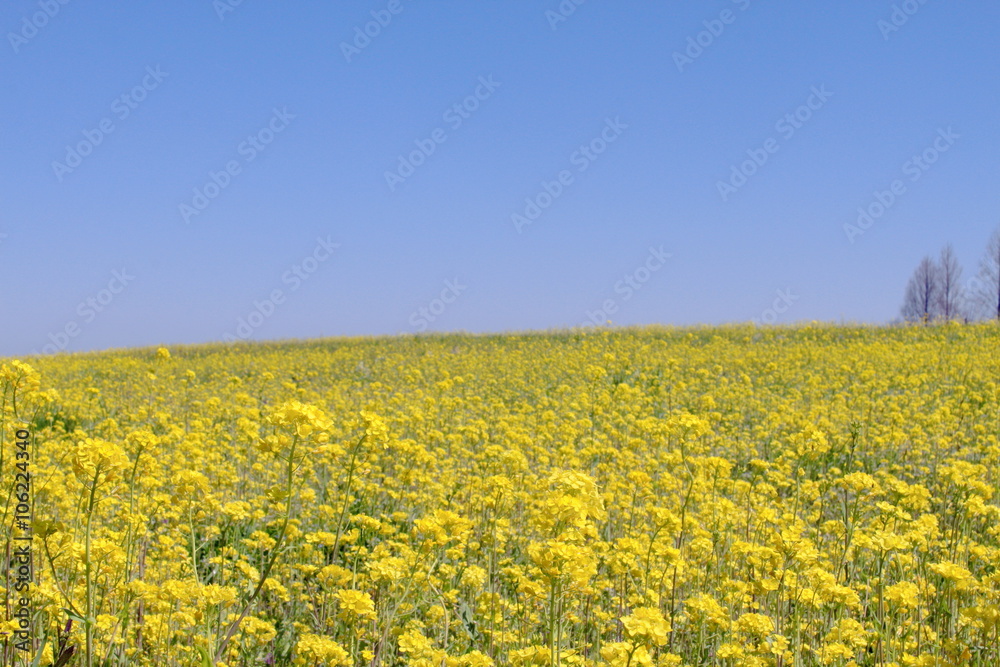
(75, 617)
(205, 660)
(38, 656)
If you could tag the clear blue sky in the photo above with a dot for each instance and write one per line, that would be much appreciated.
(199, 81)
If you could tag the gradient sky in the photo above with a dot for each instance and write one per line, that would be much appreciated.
(223, 72)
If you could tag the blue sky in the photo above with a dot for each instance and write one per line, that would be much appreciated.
(248, 153)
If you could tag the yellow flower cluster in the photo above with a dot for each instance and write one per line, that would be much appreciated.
(97, 461)
(302, 418)
(316, 651)
(647, 625)
(355, 605)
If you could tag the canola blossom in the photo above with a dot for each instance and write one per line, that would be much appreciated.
(734, 496)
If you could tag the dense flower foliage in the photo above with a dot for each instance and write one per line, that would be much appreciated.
(731, 496)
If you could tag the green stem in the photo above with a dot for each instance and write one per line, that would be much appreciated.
(89, 620)
(194, 547)
(347, 493)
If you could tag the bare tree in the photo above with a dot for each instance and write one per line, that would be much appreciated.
(949, 294)
(987, 281)
(921, 301)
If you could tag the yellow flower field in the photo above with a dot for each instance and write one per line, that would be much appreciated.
(816, 495)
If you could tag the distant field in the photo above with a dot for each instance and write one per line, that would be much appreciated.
(707, 496)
